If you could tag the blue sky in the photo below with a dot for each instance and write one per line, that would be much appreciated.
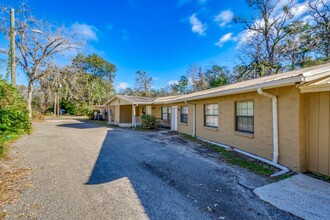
(160, 37)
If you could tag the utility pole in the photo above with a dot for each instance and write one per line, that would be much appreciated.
(58, 104)
(12, 48)
(55, 105)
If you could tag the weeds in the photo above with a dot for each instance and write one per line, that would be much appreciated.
(319, 176)
(5, 140)
(235, 158)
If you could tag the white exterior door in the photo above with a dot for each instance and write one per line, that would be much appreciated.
(174, 118)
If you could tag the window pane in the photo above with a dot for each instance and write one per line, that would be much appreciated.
(211, 115)
(184, 109)
(250, 104)
(164, 109)
(244, 123)
(164, 116)
(244, 108)
(211, 109)
(211, 121)
(184, 118)
(250, 112)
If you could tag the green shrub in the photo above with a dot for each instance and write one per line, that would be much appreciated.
(148, 122)
(84, 109)
(37, 115)
(69, 106)
(14, 116)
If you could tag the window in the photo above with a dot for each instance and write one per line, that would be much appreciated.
(244, 116)
(211, 115)
(166, 113)
(184, 114)
(148, 110)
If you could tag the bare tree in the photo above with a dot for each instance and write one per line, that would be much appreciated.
(38, 43)
(143, 83)
(320, 12)
(197, 78)
(297, 47)
(265, 33)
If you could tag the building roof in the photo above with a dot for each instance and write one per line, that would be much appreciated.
(300, 77)
(134, 99)
(278, 80)
(320, 85)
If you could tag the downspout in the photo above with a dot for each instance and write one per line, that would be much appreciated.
(275, 122)
(194, 117)
(275, 132)
(134, 114)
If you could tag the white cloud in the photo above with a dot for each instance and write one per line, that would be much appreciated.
(122, 85)
(171, 82)
(225, 38)
(224, 17)
(85, 31)
(197, 25)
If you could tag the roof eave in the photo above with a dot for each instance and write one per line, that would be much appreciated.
(267, 85)
(110, 100)
(307, 77)
(315, 88)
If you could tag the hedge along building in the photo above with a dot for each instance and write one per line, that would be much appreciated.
(283, 118)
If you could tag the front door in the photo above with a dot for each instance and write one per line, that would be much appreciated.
(174, 118)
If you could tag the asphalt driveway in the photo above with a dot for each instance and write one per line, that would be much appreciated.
(86, 171)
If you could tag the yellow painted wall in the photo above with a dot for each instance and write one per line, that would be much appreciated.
(261, 142)
(186, 128)
(117, 113)
(318, 132)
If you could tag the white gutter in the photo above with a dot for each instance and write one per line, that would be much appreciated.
(275, 123)
(283, 169)
(194, 117)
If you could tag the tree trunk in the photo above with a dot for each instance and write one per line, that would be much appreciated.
(29, 98)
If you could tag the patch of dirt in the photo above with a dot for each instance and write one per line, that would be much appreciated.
(13, 180)
(172, 133)
(163, 173)
(178, 140)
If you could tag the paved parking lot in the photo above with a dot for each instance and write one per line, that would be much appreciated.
(85, 171)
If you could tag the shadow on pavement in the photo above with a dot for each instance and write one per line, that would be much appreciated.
(106, 165)
(82, 125)
(121, 174)
(171, 183)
